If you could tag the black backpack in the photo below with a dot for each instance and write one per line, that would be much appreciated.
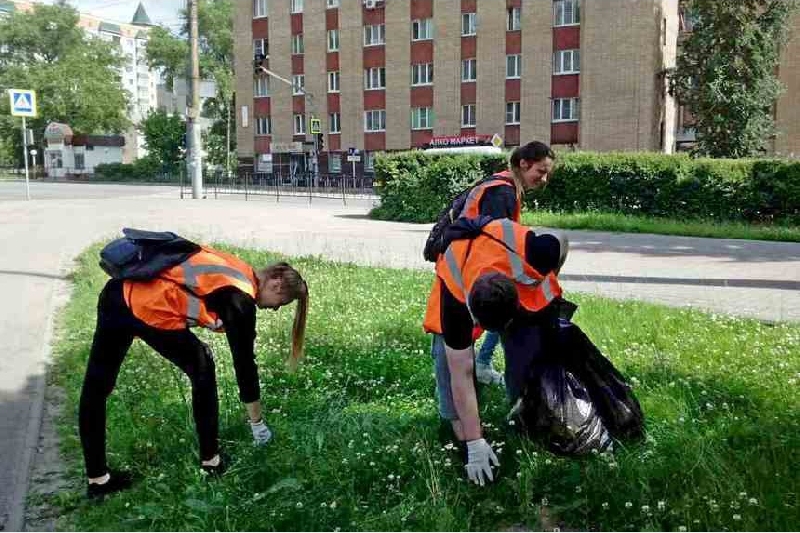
(142, 255)
(436, 244)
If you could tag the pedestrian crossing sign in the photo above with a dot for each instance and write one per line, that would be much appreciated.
(23, 103)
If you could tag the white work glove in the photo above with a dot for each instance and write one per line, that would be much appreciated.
(261, 433)
(479, 455)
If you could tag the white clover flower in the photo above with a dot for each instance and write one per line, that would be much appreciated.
(578, 489)
(372, 463)
(333, 504)
(299, 505)
(737, 517)
(545, 501)
(752, 501)
(605, 506)
(519, 452)
(681, 528)
(645, 508)
(628, 505)
(662, 505)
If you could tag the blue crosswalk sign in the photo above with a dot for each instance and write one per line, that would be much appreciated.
(23, 103)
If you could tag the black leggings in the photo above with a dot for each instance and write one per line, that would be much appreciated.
(116, 329)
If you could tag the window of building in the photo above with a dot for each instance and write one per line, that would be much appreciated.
(334, 163)
(299, 84)
(375, 78)
(261, 86)
(333, 82)
(566, 12)
(264, 163)
(334, 123)
(566, 109)
(375, 120)
(260, 47)
(259, 8)
(333, 40)
(297, 6)
(375, 35)
(469, 24)
(469, 70)
(369, 161)
(421, 118)
(299, 124)
(513, 66)
(512, 113)
(468, 116)
(567, 62)
(263, 126)
(80, 162)
(298, 45)
(422, 30)
(513, 23)
(332, 3)
(422, 74)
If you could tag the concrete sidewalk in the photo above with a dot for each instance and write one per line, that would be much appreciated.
(41, 237)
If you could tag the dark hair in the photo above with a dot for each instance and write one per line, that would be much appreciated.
(533, 151)
(493, 301)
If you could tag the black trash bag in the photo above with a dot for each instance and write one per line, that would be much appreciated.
(607, 387)
(556, 409)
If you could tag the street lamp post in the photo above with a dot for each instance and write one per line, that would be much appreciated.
(312, 105)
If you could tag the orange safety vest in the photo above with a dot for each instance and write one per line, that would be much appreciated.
(472, 206)
(174, 300)
(503, 251)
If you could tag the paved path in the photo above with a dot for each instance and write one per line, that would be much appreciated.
(39, 239)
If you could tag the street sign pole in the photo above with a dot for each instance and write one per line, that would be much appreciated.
(25, 153)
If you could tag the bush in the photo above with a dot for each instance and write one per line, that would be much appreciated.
(141, 170)
(415, 187)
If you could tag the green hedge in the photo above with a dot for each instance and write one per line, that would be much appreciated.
(415, 186)
(141, 170)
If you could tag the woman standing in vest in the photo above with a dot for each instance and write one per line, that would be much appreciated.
(501, 197)
(210, 289)
(505, 283)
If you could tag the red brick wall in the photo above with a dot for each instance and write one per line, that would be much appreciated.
(566, 86)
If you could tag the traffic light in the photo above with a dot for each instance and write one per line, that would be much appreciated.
(320, 142)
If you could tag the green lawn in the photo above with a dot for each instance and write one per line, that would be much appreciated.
(356, 431)
(640, 224)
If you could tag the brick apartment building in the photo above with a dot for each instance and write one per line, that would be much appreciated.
(398, 74)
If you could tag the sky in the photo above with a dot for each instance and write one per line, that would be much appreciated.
(161, 12)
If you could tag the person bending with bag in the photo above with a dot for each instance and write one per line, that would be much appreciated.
(502, 277)
(211, 289)
(498, 196)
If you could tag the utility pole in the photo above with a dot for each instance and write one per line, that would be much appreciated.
(194, 140)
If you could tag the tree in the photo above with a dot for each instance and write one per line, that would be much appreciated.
(164, 138)
(170, 53)
(726, 74)
(76, 77)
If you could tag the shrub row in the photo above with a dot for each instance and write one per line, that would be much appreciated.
(414, 186)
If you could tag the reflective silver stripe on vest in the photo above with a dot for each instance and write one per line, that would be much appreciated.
(514, 258)
(455, 271)
(192, 301)
(190, 273)
(547, 289)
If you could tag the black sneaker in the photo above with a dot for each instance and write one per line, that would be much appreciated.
(216, 471)
(118, 481)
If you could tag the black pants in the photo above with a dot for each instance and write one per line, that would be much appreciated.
(116, 329)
